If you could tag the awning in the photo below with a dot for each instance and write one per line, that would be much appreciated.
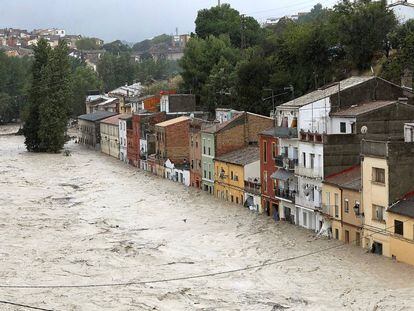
(282, 174)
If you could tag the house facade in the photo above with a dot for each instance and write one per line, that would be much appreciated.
(172, 142)
(228, 136)
(110, 143)
(89, 128)
(123, 142)
(342, 205)
(231, 172)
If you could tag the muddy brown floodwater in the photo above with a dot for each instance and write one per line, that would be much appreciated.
(90, 219)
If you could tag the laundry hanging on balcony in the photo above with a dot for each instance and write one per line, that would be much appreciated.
(282, 174)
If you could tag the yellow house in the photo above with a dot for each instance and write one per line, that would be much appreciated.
(110, 136)
(341, 204)
(400, 220)
(375, 199)
(232, 169)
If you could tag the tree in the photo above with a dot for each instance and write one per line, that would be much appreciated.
(54, 109)
(87, 44)
(223, 20)
(84, 80)
(362, 28)
(116, 47)
(37, 96)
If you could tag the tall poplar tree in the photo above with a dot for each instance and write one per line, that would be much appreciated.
(54, 111)
(37, 95)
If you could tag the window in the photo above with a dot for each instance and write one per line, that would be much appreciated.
(312, 160)
(398, 227)
(274, 150)
(209, 151)
(346, 206)
(204, 146)
(264, 181)
(304, 159)
(196, 144)
(231, 175)
(336, 205)
(378, 212)
(265, 151)
(378, 175)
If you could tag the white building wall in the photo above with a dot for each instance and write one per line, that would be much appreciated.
(164, 104)
(123, 156)
(290, 113)
(314, 117)
(335, 127)
(252, 170)
(409, 132)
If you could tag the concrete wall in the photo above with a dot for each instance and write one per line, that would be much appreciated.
(340, 152)
(401, 169)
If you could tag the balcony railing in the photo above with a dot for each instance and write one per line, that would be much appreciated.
(285, 194)
(252, 187)
(308, 172)
(283, 161)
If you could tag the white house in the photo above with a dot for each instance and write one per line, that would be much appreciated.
(180, 174)
(123, 143)
(252, 196)
(311, 113)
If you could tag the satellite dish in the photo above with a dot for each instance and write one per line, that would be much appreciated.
(364, 129)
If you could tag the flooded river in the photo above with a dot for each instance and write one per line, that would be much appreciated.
(89, 219)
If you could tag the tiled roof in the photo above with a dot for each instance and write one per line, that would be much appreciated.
(173, 121)
(242, 156)
(404, 207)
(357, 110)
(349, 178)
(326, 92)
(96, 116)
(115, 119)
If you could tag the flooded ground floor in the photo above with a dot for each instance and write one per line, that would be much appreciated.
(89, 219)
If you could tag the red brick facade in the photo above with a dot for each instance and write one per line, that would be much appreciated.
(173, 140)
(268, 151)
(134, 133)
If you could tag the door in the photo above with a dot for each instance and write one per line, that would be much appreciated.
(357, 239)
(346, 236)
(377, 248)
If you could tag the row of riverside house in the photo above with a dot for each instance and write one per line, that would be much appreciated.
(337, 161)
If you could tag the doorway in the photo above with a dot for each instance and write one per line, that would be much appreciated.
(346, 236)
(376, 248)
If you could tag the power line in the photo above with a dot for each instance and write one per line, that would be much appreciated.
(197, 276)
(23, 305)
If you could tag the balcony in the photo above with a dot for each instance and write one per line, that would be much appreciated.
(308, 172)
(285, 194)
(283, 161)
(252, 187)
(313, 137)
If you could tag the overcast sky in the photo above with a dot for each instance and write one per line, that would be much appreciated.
(131, 20)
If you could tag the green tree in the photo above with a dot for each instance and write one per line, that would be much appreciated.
(54, 110)
(84, 80)
(87, 44)
(220, 20)
(37, 95)
(116, 47)
(362, 28)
